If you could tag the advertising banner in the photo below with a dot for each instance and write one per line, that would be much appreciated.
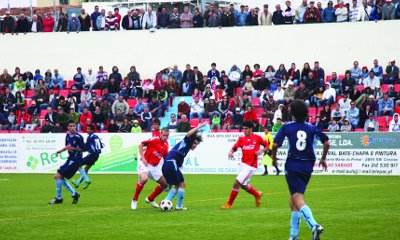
(350, 153)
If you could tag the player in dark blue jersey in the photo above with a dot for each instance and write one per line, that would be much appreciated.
(299, 165)
(74, 144)
(174, 161)
(93, 146)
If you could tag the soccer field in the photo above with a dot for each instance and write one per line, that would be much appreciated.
(349, 207)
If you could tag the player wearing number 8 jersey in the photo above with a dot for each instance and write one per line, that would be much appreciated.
(250, 145)
(299, 165)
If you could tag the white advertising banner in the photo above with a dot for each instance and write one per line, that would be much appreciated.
(350, 154)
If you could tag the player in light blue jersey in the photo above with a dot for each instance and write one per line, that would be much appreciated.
(93, 146)
(74, 144)
(299, 165)
(174, 161)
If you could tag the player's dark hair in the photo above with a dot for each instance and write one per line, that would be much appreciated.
(70, 121)
(156, 121)
(248, 124)
(91, 126)
(299, 110)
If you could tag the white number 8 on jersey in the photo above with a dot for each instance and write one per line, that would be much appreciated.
(301, 140)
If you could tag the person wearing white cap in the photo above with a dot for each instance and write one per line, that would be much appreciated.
(288, 95)
(392, 72)
(328, 97)
(74, 25)
(388, 11)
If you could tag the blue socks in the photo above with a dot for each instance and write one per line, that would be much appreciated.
(172, 193)
(308, 216)
(68, 187)
(58, 188)
(84, 176)
(295, 224)
(181, 194)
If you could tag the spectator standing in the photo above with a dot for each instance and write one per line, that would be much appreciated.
(174, 19)
(101, 21)
(228, 19)
(186, 18)
(388, 11)
(354, 12)
(241, 17)
(214, 20)
(149, 19)
(111, 22)
(328, 15)
(312, 14)
(252, 18)
(364, 12)
(74, 25)
(289, 13)
(35, 25)
(62, 24)
(93, 18)
(265, 17)
(163, 19)
(8, 24)
(341, 12)
(198, 20)
(84, 19)
(277, 17)
(48, 23)
(22, 24)
(208, 13)
(300, 11)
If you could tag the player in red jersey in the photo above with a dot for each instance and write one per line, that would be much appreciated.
(155, 132)
(250, 145)
(151, 153)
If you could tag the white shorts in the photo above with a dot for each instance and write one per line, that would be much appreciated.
(245, 173)
(154, 172)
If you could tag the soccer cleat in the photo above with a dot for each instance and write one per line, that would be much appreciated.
(134, 204)
(226, 206)
(293, 238)
(152, 203)
(76, 198)
(265, 174)
(87, 184)
(75, 183)
(316, 232)
(183, 208)
(56, 201)
(278, 172)
(258, 199)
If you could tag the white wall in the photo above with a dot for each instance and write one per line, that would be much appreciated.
(336, 46)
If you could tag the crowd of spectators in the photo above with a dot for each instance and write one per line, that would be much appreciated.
(127, 103)
(136, 19)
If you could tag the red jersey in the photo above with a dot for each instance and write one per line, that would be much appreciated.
(250, 145)
(155, 133)
(155, 150)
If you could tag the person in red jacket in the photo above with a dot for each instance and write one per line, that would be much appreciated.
(48, 23)
(23, 118)
(84, 117)
(250, 115)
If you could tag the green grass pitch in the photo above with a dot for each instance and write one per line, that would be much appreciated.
(349, 207)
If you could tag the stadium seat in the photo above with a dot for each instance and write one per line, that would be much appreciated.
(259, 111)
(98, 92)
(238, 91)
(69, 84)
(385, 87)
(312, 111)
(263, 121)
(328, 78)
(132, 102)
(194, 122)
(64, 93)
(207, 120)
(42, 114)
(397, 109)
(234, 130)
(360, 87)
(256, 102)
(359, 130)
(29, 93)
(383, 129)
(381, 121)
(144, 100)
(341, 77)
(42, 122)
(397, 87)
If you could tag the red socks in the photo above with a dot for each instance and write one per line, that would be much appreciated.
(155, 193)
(232, 198)
(139, 188)
(252, 191)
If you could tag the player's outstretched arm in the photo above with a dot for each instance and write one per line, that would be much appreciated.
(194, 130)
(325, 150)
(273, 154)
(141, 153)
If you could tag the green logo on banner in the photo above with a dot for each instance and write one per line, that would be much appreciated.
(116, 143)
(32, 162)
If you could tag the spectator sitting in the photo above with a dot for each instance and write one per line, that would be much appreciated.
(344, 103)
(125, 127)
(336, 83)
(99, 119)
(112, 126)
(371, 125)
(328, 97)
(318, 124)
(386, 106)
(333, 127)
(392, 73)
(146, 118)
(337, 114)
(62, 118)
(394, 125)
(136, 127)
(73, 116)
(183, 125)
(196, 108)
(211, 108)
(348, 82)
(353, 115)
(216, 121)
(250, 115)
(228, 121)
(346, 127)
(371, 81)
(120, 104)
(277, 125)
(173, 123)
(237, 119)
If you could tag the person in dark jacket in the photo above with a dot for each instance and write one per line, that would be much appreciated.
(198, 20)
(62, 23)
(127, 21)
(163, 19)
(214, 20)
(84, 18)
(8, 24)
(35, 25)
(252, 18)
(277, 17)
(228, 19)
(22, 24)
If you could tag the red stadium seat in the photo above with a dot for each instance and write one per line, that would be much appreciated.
(383, 129)
(312, 111)
(359, 130)
(263, 121)
(385, 87)
(256, 102)
(259, 111)
(360, 87)
(42, 114)
(64, 93)
(397, 87)
(238, 91)
(132, 102)
(194, 122)
(328, 78)
(397, 109)
(207, 120)
(381, 121)
(69, 84)
(29, 93)
(234, 130)
(144, 100)
(98, 92)
(341, 77)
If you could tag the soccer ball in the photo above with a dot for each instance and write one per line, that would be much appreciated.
(166, 205)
